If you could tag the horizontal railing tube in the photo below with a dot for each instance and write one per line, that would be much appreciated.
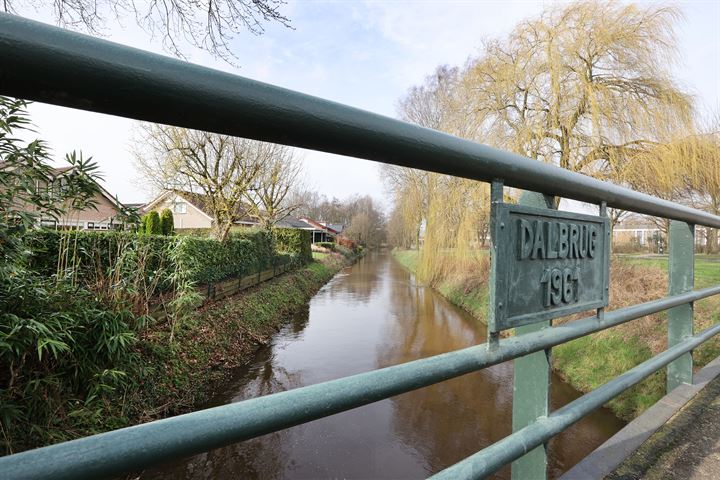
(52, 65)
(493, 458)
(133, 448)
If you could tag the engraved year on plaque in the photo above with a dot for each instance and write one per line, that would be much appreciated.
(547, 264)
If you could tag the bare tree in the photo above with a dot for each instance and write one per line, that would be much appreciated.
(365, 221)
(206, 24)
(220, 168)
(280, 174)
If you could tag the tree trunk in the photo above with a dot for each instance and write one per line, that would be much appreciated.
(222, 231)
(712, 240)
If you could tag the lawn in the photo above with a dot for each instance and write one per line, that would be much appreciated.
(707, 267)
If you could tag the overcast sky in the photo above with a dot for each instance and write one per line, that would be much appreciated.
(361, 53)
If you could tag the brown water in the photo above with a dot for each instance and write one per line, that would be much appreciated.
(373, 315)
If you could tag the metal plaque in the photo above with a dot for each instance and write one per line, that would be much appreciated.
(546, 264)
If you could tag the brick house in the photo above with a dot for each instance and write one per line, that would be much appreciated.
(104, 215)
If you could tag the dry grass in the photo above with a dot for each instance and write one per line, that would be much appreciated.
(634, 284)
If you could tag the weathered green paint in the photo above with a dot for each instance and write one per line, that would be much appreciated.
(491, 459)
(550, 264)
(51, 65)
(680, 318)
(496, 202)
(531, 383)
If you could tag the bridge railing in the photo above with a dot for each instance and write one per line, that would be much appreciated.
(47, 64)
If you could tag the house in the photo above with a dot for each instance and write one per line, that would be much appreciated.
(645, 232)
(637, 229)
(320, 231)
(323, 231)
(190, 210)
(105, 214)
(292, 222)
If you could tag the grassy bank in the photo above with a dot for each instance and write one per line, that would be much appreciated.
(222, 336)
(175, 376)
(588, 362)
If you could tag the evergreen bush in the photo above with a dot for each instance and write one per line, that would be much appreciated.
(294, 241)
(153, 226)
(167, 222)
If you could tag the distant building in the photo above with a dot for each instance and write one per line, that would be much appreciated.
(638, 229)
(644, 232)
(190, 210)
(323, 231)
(103, 215)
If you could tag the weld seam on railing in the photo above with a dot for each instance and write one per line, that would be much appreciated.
(494, 457)
(48, 64)
(133, 448)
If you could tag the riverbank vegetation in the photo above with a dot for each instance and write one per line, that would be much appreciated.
(587, 87)
(100, 330)
(588, 362)
(116, 340)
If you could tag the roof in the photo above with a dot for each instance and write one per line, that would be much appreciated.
(59, 171)
(200, 201)
(338, 227)
(135, 206)
(320, 226)
(292, 222)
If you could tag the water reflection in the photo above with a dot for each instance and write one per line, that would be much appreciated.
(370, 316)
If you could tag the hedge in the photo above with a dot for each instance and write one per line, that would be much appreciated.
(328, 245)
(99, 255)
(292, 241)
(262, 244)
(295, 242)
(206, 260)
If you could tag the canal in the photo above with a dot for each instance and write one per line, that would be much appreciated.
(373, 315)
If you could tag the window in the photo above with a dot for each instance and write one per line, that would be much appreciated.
(179, 207)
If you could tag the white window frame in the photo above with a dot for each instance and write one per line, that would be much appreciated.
(178, 206)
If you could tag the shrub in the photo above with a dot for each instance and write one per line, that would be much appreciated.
(262, 244)
(64, 351)
(153, 226)
(208, 261)
(167, 223)
(327, 245)
(147, 262)
(142, 228)
(294, 241)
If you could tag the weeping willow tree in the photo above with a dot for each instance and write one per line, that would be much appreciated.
(686, 170)
(445, 217)
(703, 183)
(585, 86)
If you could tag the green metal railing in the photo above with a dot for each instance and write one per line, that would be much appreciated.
(51, 65)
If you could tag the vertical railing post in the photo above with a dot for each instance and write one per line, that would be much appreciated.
(531, 383)
(680, 318)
